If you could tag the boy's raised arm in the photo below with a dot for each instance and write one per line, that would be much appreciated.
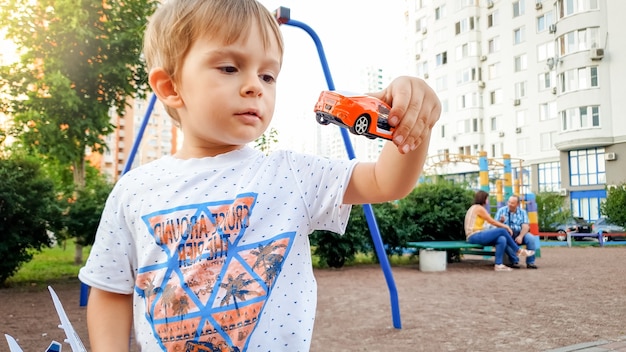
(415, 109)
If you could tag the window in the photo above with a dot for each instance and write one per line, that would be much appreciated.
(420, 24)
(545, 51)
(519, 35)
(440, 12)
(469, 100)
(471, 125)
(520, 63)
(441, 83)
(579, 78)
(544, 21)
(549, 177)
(494, 45)
(547, 111)
(441, 58)
(419, 46)
(523, 146)
(570, 7)
(493, 123)
(547, 80)
(422, 68)
(493, 19)
(465, 25)
(587, 167)
(495, 97)
(519, 8)
(520, 90)
(494, 70)
(467, 75)
(520, 118)
(578, 40)
(467, 49)
(580, 118)
(496, 150)
(546, 141)
(586, 204)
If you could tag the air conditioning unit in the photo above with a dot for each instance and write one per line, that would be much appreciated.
(516, 102)
(553, 90)
(481, 84)
(563, 192)
(552, 28)
(489, 4)
(518, 130)
(610, 156)
(596, 53)
(538, 6)
(417, 56)
(424, 30)
(501, 134)
(483, 58)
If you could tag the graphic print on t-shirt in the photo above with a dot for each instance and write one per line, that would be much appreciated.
(210, 292)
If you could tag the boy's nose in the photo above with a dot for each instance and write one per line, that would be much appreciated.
(252, 86)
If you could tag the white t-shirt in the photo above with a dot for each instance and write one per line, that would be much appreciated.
(216, 251)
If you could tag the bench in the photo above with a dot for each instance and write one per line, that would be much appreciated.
(463, 246)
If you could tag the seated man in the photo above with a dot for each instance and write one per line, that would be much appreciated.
(517, 219)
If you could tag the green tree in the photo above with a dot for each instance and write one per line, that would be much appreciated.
(615, 206)
(28, 208)
(84, 211)
(79, 61)
(265, 142)
(551, 210)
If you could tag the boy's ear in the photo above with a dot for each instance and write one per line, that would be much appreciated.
(164, 88)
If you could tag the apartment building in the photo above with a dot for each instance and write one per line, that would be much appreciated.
(538, 80)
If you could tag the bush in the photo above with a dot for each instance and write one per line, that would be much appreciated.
(336, 250)
(551, 210)
(615, 206)
(435, 212)
(29, 211)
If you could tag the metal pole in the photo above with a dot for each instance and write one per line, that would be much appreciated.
(367, 208)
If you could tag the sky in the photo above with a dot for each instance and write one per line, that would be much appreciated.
(355, 34)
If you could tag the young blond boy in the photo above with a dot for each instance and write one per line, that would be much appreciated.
(208, 249)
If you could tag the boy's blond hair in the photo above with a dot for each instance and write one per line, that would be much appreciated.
(176, 24)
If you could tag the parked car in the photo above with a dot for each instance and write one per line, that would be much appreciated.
(604, 225)
(573, 224)
(360, 114)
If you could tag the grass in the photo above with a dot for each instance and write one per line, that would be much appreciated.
(56, 264)
(50, 265)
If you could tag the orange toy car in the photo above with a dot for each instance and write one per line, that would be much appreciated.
(361, 114)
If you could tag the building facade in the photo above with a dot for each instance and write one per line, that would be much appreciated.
(538, 80)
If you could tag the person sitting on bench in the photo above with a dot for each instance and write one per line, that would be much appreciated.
(517, 219)
(499, 236)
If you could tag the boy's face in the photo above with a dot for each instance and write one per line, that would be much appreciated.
(228, 93)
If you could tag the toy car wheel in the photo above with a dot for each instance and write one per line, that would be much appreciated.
(321, 119)
(361, 125)
(562, 235)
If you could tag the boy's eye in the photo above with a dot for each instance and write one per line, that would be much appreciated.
(228, 69)
(268, 78)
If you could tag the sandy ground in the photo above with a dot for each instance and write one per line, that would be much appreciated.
(577, 295)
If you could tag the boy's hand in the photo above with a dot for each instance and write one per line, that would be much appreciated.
(415, 109)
